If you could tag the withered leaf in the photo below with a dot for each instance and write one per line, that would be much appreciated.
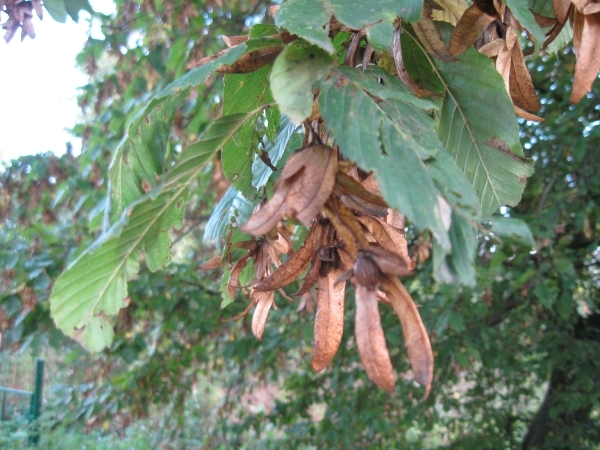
(586, 6)
(313, 188)
(357, 197)
(264, 301)
(561, 10)
(311, 276)
(588, 56)
(527, 116)
(252, 61)
(293, 267)
(416, 339)
(430, 37)
(389, 238)
(233, 282)
(213, 263)
(452, 11)
(329, 320)
(469, 27)
(269, 214)
(522, 91)
(305, 184)
(232, 41)
(370, 339)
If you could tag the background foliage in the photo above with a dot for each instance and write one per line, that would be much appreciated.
(532, 317)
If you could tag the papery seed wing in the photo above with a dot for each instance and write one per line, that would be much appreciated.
(312, 189)
(264, 301)
(522, 91)
(370, 339)
(416, 339)
(468, 29)
(233, 282)
(430, 37)
(293, 267)
(269, 214)
(329, 320)
(311, 276)
(213, 263)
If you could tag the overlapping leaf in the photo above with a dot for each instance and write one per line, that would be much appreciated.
(245, 93)
(95, 285)
(389, 137)
(478, 128)
(309, 19)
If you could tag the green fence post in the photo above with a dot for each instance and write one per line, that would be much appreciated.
(35, 408)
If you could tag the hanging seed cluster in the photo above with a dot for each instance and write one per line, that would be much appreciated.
(19, 15)
(354, 238)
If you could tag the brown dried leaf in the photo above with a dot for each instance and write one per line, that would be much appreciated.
(469, 28)
(311, 276)
(452, 11)
(522, 91)
(492, 49)
(370, 339)
(313, 188)
(269, 214)
(527, 116)
(416, 339)
(233, 282)
(293, 267)
(357, 197)
(586, 6)
(588, 57)
(264, 301)
(252, 61)
(212, 263)
(561, 10)
(430, 37)
(329, 320)
(232, 41)
(390, 238)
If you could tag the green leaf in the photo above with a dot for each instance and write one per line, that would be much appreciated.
(479, 129)
(99, 334)
(458, 265)
(232, 205)
(260, 171)
(74, 6)
(193, 78)
(520, 9)
(454, 186)
(387, 137)
(140, 156)
(357, 15)
(380, 36)
(542, 7)
(226, 298)
(513, 230)
(95, 284)
(309, 19)
(294, 73)
(306, 19)
(56, 9)
(244, 93)
(419, 66)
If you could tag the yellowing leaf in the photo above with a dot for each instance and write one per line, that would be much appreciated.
(451, 12)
